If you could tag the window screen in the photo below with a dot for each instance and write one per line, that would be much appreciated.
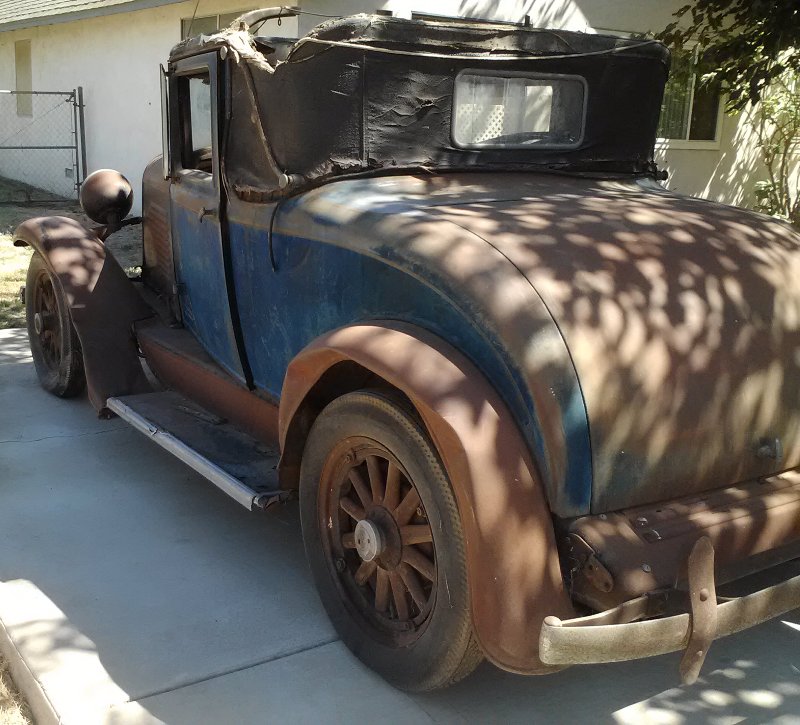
(516, 110)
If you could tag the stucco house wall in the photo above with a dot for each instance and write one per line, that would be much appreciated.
(116, 57)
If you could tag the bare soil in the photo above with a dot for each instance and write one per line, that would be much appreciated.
(13, 710)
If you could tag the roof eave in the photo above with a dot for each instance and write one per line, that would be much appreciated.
(69, 17)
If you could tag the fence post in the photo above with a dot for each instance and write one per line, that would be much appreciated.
(73, 97)
(82, 126)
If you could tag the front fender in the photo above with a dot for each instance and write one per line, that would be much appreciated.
(513, 567)
(102, 301)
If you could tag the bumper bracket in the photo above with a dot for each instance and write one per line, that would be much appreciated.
(703, 600)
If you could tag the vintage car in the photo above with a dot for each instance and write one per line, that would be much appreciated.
(535, 407)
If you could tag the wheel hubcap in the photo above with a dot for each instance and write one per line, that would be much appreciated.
(40, 320)
(46, 323)
(369, 540)
(378, 539)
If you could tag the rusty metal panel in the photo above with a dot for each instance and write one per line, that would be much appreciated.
(681, 317)
(158, 269)
(645, 549)
(674, 320)
(103, 303)
(181, 363)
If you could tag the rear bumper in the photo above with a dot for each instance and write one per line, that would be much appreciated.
(614, 635)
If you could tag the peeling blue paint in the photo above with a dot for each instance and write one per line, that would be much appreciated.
(317, 287)
(204, 300)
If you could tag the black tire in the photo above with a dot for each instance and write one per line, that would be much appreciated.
(413, 628)
(55, 346)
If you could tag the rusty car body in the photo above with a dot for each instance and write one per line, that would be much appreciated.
(460, 226)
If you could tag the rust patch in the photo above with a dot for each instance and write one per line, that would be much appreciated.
(645, 549)
(180, 362)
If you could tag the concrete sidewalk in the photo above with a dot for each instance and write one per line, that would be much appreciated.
(135, 592)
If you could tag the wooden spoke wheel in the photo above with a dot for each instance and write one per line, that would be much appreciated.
(384, 541)
(380, 541)
(55, 346)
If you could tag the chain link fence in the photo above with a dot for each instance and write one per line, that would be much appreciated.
(42, 149)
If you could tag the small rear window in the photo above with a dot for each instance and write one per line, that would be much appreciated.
(515, 110)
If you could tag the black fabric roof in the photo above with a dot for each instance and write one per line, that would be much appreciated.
(374, 94)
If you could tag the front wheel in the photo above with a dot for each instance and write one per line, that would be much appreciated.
(384, 541)
(55, 346)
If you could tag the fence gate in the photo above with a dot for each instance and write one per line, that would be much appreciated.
(42, 145)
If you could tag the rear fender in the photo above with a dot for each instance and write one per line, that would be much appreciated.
(102, 301)
(513, 567)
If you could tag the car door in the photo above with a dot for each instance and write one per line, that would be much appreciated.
(202, 260)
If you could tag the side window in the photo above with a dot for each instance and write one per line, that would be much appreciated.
(195, 109)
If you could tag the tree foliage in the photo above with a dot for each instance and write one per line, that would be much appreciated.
(744, 44)
(778, 130)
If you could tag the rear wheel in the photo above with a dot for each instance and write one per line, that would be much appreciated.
(55, 346)
(384, 541)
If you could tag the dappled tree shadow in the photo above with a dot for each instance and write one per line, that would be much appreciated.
(680, 316)
(675, 319)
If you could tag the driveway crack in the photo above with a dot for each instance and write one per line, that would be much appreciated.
(233, 670)
(70, 435)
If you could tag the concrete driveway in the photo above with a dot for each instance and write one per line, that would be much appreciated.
(135, 592)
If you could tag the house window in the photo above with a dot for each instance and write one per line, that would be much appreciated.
(24, 77)
(690, 110)
(207, 24)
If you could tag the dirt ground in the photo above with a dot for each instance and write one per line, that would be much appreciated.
(125, 244)
(13, 711)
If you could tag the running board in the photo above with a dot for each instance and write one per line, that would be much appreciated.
(237, 464)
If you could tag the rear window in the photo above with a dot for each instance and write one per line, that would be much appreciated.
(518, 110)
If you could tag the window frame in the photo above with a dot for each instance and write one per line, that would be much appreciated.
(183, 69)
(665, 144)
(519, 74)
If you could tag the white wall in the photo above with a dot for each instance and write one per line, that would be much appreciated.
(726, 170)
(115, 58)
